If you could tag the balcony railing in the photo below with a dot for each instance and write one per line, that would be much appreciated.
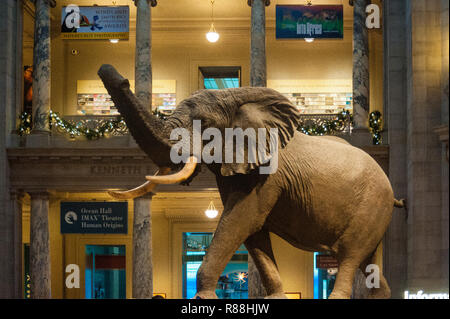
(96, 126)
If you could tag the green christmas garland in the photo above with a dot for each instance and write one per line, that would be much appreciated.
(74, 130)
(24, 124)
(376, 127)
(328, 127)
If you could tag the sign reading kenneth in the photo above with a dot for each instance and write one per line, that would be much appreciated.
(95, 22)
(94, 217)
(314, 22)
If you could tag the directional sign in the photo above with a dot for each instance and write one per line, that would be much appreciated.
(94, 217)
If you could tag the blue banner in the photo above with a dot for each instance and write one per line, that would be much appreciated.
(315, 21)
(94, 217)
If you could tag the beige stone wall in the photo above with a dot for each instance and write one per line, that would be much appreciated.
(424, 150)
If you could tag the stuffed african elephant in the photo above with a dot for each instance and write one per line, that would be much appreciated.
(324, 196)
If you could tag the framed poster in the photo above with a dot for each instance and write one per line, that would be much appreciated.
(314, 22)
(94, 23)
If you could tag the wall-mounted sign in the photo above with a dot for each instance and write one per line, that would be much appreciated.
(94, 217)
(315, 22)
(95, 22)
(326, 261)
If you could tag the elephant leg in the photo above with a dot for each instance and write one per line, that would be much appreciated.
(344, 279)
(244, 215)
(260, 249)
(383, 291)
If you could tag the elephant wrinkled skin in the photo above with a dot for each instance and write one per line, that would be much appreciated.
(325, 196)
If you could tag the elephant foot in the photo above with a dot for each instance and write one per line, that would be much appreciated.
(379, 293)
(205, 295)
(339, 295)
(277, 295)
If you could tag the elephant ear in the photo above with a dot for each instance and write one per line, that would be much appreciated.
(270, 110)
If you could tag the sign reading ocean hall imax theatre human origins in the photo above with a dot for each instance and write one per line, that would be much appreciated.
(314, 22)
(95, 22)
(94, 217)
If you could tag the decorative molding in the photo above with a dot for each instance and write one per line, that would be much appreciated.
(147, 196)
(39, 194)
(250, 2)
(153, 3)
(86, 169)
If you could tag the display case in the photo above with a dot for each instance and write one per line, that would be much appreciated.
(93, 99)
(321, 103)
(102, 104)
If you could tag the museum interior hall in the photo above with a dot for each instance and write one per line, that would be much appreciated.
(86, 208)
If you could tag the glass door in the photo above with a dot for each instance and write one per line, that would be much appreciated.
(232, 284)
(105, 272)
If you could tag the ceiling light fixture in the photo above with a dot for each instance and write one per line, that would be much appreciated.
(212, 36)
(114, 4)
(211, 211)
(309, 40)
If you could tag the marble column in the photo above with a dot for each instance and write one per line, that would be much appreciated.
(41, 67)
(143, 58)
(142, 248)
(361, 84)
(258, 77)
(39, 246)
(258, 73)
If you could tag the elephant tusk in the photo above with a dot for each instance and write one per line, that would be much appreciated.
(140, 190)
(182, 175)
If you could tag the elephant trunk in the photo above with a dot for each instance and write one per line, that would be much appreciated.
(150, 132)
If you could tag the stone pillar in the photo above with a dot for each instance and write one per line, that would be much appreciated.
(142, 248)
(258, 77)
(16, 199)
(39, 246)
(10, 88)
(361, 84)
(258, 73)
(143, 58)
(41, 67)
(445, 153)
(424, 150)
(395, 30)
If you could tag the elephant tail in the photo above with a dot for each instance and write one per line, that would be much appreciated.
(400, 203)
